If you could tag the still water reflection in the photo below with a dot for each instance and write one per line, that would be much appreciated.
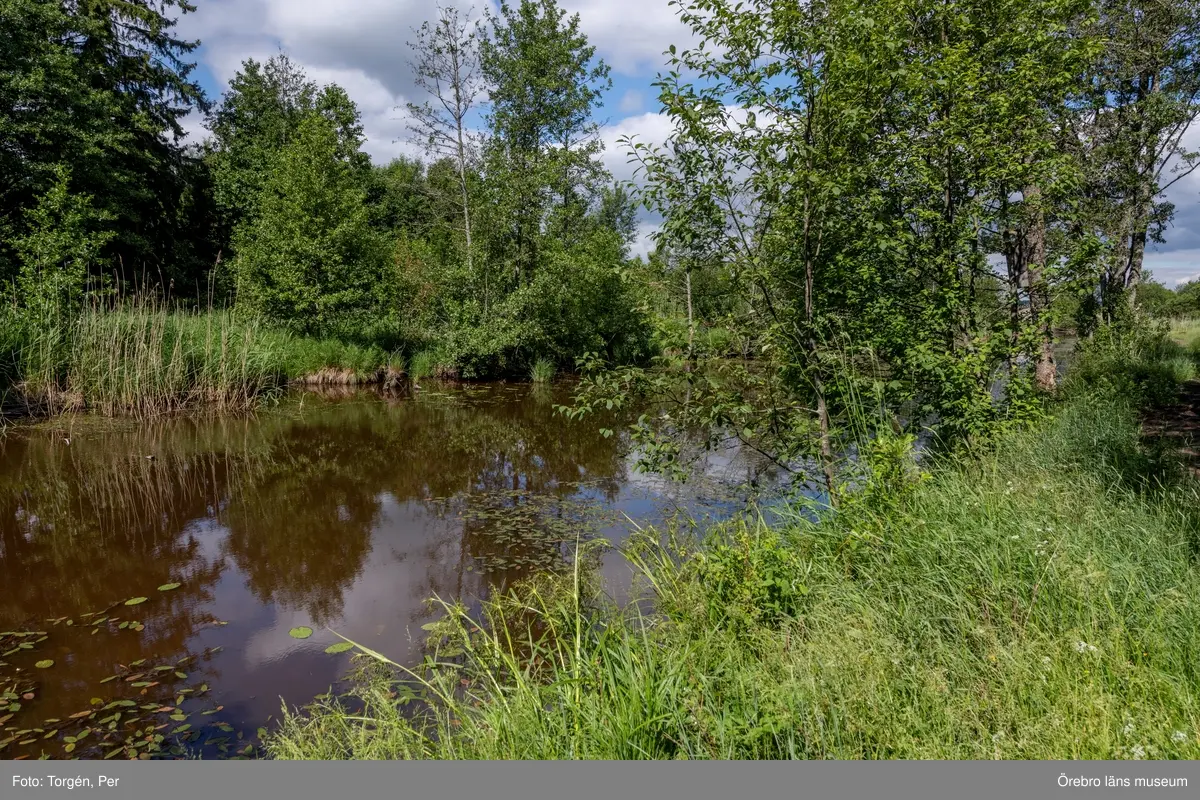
(332, 512)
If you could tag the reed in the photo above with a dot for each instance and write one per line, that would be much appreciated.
(542, 371)
(145, 358)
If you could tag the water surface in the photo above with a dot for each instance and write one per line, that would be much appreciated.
(335, 512)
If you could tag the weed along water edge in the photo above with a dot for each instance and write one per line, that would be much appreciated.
(169, 584)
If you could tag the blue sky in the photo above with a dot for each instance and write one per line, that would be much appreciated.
(360, 44)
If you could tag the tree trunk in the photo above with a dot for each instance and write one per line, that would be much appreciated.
(1133, 271)
(691, 356)
(1039, 294)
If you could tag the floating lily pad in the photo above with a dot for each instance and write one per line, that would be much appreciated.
(340, 647)
(301, 632)
(167, 587)
(134, 601)
(47, 664)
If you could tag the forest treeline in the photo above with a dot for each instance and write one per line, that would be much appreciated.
(914, 193)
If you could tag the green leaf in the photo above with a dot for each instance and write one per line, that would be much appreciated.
(168, 587)
(47, 664)
(135, 601)
(340, 647)
(301, 632)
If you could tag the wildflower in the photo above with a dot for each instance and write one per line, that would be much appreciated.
(1128, 729)
(1179, 736)
(1084, 647)
(1138, 752)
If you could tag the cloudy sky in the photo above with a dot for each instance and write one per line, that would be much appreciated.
(360, 45)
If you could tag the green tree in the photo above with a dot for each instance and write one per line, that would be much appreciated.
(258, 118)
(447, 67)
(99, 87)
(1155, 299)
(542, 160)
(852, 167)
(1130, 131)
(309, 257)
(63, 240)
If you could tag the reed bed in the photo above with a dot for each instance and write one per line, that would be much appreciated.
(146, 359)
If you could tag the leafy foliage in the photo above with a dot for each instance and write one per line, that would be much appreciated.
(309, 255)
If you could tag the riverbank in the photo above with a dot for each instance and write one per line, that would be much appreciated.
(1041, 600)
(145, 359)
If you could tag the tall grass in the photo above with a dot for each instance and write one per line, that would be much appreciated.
(542, 371)
(431, 364)
(1185, 331)
(1039, 602)
(145, 358)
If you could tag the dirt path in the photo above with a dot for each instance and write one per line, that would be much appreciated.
(1179, 424)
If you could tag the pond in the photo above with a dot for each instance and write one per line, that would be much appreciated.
(154, 577)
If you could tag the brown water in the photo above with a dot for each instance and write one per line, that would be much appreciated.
(337, 513)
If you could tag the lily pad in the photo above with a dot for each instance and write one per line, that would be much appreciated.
(47, 664)
(301, 632)
(167, 587)
(135, 601)
(340, 647)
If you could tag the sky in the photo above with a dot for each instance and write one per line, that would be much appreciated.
(361, 46)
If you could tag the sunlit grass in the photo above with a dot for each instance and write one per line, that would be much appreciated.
(1186, 331)
(1040, 602)
(145, 358)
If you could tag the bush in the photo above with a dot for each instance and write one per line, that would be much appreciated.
(310, 258)
(1143, 365)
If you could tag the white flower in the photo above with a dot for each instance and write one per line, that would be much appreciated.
(1179, 736)
(1138, 752)
(1084, 647)
(1128, 729)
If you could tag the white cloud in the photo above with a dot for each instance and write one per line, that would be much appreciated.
(649, 128)
(362, 46)
(1178, 259)
(631, 102)
(1175, 266)
(644, 243)
(631, 35)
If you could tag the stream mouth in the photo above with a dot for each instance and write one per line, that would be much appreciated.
(166, 586)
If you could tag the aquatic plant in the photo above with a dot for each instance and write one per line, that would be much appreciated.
(542, 371)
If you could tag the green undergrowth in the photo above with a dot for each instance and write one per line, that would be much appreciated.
(1040, 601)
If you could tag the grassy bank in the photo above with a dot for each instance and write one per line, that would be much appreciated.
(1039, 601)
(146, 359)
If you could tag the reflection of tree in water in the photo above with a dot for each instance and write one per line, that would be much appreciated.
(302, 528)
(86, 524)
(294, 497)
(90, 524)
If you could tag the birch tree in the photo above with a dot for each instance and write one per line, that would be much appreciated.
(446, 65)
